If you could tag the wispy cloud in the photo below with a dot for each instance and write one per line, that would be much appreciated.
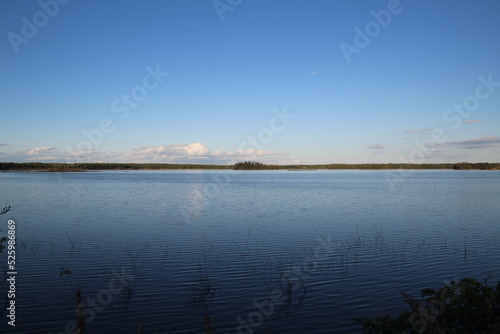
(470, 121)
(194, 153)
(91, 155)
(4, 145)
(377, 148)
(45, 158)
(245, 153)
(42, 150)
(313, 73)
(49, 153)
(418, 131)
(483, 142)
(168, 152)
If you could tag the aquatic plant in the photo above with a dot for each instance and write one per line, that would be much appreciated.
(2, 239)
(6, 209)
(80, 318)
(203, 292)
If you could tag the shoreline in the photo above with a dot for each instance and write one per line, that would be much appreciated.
(89, 167)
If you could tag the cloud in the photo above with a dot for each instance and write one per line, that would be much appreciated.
(418, 131)
(4, 145)
(51, 153)
(42, 150)
(244, 153)
(91, 155)
(313, 73)
(377, 148)
(474, 121)
(195, 153)
(44, 158)
(168, 152)
(483, 142)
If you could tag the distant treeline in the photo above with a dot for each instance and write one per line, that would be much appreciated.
(253, 165)
(371, 166)
(244, 165)
(78, 167)
(478, 165)
(457, 166)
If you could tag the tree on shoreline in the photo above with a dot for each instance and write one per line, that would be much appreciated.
(253, 165)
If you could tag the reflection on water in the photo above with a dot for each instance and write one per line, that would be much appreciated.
(197, 202)
(267, 252)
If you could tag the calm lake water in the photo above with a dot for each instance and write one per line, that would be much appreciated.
(256, 251)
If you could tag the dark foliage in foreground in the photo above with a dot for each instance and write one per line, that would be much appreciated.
(464, 307)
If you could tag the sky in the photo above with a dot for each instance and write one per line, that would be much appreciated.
(222, 81)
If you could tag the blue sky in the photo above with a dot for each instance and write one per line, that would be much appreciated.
(288, 81)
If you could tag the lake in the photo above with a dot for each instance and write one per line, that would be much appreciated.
(240, 251)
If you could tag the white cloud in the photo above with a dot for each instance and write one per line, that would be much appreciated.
(51, 153)
(168, 152)
(42, 150)
(195, 153)
(44, 158)
(91, 155)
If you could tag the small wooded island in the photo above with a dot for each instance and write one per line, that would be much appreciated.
(244, 165)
